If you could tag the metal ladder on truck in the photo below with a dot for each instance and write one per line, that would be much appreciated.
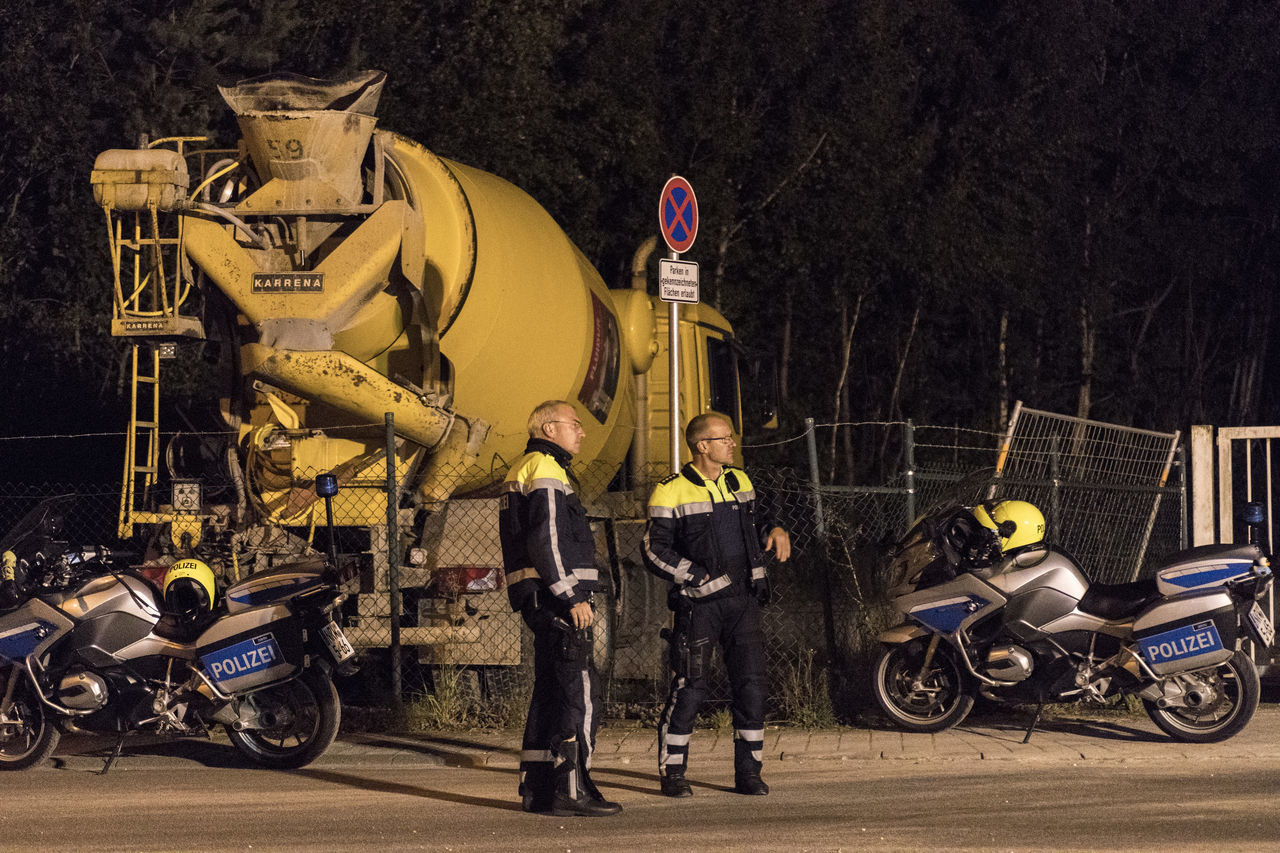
(140, 192)
(144, 433)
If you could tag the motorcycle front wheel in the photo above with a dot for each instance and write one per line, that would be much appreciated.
(27, 735)
(919, 698)
(1221, 702)
(291, 724)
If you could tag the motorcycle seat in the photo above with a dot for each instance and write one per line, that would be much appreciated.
(1119, 600)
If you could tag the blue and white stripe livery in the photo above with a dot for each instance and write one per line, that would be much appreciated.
(946, 616)
(1178, 579)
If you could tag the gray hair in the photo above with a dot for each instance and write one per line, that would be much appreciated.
(543, 414)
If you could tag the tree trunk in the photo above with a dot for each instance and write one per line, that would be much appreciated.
(902, 363)
(784, 358)
(847, 435)
(722, 258)
(1247, 383)
(847, 327)
(1084, 401)
(897, 380)
(1004, 368)
(1088, 339)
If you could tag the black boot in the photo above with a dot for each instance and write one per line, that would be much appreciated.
(536, 787)
(746, 769)
(674, 784)
(593, 793)
(571, 798)
(750, 784)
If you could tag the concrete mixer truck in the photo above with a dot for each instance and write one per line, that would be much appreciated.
(384, 314)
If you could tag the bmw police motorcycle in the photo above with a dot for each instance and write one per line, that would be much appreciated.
(988, 608)
(88, 645)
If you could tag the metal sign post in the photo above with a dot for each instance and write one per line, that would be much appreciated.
(673, 387)
(678, 221)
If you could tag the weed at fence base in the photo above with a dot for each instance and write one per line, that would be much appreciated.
(446, 706)
(805, 697)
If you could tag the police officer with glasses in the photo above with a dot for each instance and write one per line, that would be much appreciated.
(707, 536)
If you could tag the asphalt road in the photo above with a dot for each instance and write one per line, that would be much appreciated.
(1079, 785)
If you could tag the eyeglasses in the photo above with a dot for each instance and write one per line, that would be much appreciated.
(717, 438)
(574, 424)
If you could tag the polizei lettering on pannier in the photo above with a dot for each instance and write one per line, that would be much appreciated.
(1186, 642)
(243, 658)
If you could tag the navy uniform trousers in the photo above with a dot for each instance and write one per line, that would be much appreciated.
(564, 710)
(734, 625)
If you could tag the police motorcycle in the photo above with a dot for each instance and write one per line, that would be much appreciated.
(88, 645)
(989, 608)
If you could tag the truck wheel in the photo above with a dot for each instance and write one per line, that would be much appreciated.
(293, 722)
(929, 701)
(1224, 696)
(27, 735)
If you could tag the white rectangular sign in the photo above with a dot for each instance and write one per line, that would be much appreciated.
(677, 281)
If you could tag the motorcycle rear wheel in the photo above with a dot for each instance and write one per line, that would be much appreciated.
(932, 701)
(1235, 683)
(27, 735)
(299, 720)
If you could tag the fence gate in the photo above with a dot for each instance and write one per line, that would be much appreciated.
(1245, 472)
(1246, 463)
(1100, 486)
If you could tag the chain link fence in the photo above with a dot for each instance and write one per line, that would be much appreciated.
(436, 615)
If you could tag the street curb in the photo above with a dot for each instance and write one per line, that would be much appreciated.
(1064, 739)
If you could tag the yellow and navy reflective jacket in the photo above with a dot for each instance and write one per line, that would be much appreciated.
(704, 535)
(547, 545)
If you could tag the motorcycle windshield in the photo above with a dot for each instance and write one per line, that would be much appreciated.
(969, 490)
(42, 523)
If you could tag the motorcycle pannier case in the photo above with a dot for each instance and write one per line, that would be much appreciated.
(1191, 631)
(251, 648)
(275, 585)
(1205, 567)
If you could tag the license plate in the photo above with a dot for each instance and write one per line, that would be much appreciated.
(1262, 625)
(336, 641)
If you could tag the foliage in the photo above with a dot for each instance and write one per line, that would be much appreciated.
(718, 719)
(449, 704)
(805, 699)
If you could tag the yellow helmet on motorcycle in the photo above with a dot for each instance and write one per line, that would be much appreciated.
(1018, 523)
(189, 589)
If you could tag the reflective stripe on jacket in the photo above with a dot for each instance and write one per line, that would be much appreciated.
(705, 536)
(547, 544)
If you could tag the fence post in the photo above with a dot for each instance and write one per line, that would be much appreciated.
(1054, 482)
(393, 565)
(814, 480)
(1169, 461)
(909, 448)
(1183, 520)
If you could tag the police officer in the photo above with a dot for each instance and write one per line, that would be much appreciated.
(549, 554)
(706, 535)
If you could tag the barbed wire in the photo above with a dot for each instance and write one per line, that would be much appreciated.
(382, 424)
